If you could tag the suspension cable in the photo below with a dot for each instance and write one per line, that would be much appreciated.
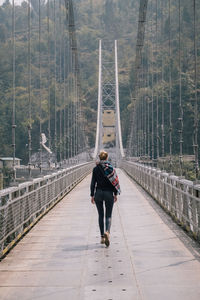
(55, 77)
(139, 119)
(74, 105)
(13, 91)
(137, 131)
(152, 89)
(29, 89)
(141, 109)
(145, 110)
(60, 84)
(156, 79)
(40, 96)
(148, 128)
(68, 107)
(180, 98)
(148, 102)
(77, 113)
(196, 108)
(49, 84)
(138, 103)
(162, 91)
(71, 107)
(64, 95)
(170, 89)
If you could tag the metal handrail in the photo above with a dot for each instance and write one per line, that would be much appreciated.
(179, 197)
(21, 207)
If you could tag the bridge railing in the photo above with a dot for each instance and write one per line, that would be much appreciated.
(21, 207)
(179, 197)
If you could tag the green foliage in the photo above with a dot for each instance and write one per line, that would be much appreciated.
(95, 19)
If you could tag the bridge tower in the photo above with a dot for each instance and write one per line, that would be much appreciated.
(108, 133)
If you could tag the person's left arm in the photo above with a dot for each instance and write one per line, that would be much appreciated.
(115, 195)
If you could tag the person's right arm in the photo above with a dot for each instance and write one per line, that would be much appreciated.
(92, 186)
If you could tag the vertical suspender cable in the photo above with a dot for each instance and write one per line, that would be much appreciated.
(145, 112)
(49, 83)
(137, 128)
(55, 77)
(76, 114)
(142, 108)
(139, 120)
(152, 89)
(138, 115)
(40, 96)
(64, 95)
(180, 97)
(135, 135)
(29, 88)
(74, 105)
(71, 105)
(148, 128)
(13, 91)
(148, 99)
(170, 90)
(157, 107)
(79, 119)
(196, 108)
(60, 84)
(162, 75)
(68, 99)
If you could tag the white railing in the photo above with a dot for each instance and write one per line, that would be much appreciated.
(21, 207)
(179, 197)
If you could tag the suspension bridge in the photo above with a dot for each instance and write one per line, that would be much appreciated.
(49, 238)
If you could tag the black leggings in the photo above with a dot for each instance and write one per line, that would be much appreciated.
(100, 197)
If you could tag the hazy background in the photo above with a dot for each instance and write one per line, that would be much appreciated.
(16, 1)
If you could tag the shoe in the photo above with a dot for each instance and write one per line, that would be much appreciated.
(106, 236)
(102, 240)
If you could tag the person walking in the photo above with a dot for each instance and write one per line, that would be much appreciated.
(104, 188)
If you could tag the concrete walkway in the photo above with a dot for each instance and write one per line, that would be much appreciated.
(61, 257)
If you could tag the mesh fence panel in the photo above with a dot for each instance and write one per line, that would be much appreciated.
(20, 207)
(180, 197)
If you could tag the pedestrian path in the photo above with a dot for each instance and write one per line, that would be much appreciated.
(61, 257)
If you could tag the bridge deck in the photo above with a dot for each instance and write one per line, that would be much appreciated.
(61, 258)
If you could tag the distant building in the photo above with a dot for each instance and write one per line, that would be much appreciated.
(7, 162)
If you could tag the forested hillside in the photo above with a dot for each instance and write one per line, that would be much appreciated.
(99, 19)
(94, 20)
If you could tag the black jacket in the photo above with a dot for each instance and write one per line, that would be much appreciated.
(100, 181)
